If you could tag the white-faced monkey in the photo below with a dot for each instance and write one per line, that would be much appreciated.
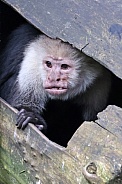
(35, 69)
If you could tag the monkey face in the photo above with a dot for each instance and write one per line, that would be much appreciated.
(55, 69)
(57, 75)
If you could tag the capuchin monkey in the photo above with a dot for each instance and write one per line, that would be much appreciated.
(35, 69)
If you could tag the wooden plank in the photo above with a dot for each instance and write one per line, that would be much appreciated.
(111, 119)
(30, 157)
(91, 23)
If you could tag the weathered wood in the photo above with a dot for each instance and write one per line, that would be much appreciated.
(29, 157)
(91, 23)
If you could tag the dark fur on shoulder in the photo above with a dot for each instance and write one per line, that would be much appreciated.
(11, 57)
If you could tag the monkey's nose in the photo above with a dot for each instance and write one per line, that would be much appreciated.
(54, 79)
(58, 79)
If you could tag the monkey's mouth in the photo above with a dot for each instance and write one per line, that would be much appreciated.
(56, 90)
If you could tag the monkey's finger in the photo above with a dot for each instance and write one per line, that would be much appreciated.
(25, 123)
(22, 111)
(40, 127)
(20, 116)
(21, 119)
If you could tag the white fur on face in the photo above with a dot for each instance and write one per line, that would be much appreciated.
(32, 73)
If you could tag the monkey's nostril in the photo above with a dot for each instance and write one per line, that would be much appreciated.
(58, 79)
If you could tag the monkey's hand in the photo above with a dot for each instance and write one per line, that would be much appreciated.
(24, 117)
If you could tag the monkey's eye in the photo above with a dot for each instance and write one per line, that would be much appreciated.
(48, 64)
(64, 66)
